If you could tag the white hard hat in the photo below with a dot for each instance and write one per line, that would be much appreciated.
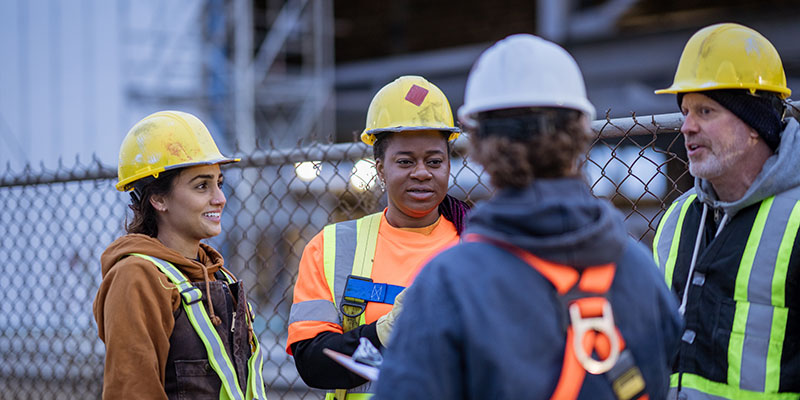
(524, 71)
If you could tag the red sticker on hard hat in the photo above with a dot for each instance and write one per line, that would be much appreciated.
(416, 95)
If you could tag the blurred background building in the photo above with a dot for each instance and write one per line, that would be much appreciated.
(77, 74)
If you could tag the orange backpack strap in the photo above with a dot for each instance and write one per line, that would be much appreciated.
(589, 326)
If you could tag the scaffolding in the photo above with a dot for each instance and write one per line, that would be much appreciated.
(257, 72)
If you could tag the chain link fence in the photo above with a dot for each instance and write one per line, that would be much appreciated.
(55, 225)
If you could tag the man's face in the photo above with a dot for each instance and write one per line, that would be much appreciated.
(719, 145)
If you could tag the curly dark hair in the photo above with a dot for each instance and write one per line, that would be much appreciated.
(515, 146)
(144, 215)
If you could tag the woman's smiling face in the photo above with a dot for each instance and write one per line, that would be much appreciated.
(193, 208)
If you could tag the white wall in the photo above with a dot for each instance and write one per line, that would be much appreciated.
(60, 89)
(76, 75)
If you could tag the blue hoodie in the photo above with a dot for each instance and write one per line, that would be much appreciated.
(479, 323)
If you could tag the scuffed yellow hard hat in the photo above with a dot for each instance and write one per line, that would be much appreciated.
(162, 141)
(410, 103)
(729, 56)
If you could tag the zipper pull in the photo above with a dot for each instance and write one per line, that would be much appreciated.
(233, 322)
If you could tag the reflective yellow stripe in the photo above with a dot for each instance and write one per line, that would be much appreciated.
(329, 257)
(736, 341)
(228, 276)
(350, 396)
(701, 384)
(256, 389)
(217, 356)
(255, 385)
(366, 241)
(669, 268)
(780, 314)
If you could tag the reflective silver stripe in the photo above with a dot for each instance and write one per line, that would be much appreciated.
(345, 253)
(759, 295)
(759, 286)
(755, 347)
(217, 356)
(668, 237)
(753, 375)
(189, 293)
(314, 310)
(665, 229)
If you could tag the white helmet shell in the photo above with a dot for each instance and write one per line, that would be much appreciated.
(524, 71)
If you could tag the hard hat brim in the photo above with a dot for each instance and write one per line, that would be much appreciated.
(467, 115)
(783, 92)
(369, 136)
(127, 184)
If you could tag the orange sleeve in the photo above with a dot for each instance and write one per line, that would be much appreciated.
(311, 285)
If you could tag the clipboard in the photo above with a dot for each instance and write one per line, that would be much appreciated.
(363, 370)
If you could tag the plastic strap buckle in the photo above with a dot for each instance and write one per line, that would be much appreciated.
(191, 295)
(349, 300)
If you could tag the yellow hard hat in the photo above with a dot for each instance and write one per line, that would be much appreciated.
(729, 56)
(410, 103)
(162, 141)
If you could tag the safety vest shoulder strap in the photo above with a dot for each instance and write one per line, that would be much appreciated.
(348, 252)
(668, 234)
(590, 326)
(217, 356)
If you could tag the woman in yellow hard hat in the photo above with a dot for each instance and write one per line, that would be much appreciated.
(174, 321)
(352, 272)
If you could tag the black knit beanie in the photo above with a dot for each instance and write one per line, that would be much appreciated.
(762, 112)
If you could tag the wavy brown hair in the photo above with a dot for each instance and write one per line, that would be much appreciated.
(516, 146)
(145, 219)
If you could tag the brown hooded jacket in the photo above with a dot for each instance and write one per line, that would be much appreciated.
(135, 313)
